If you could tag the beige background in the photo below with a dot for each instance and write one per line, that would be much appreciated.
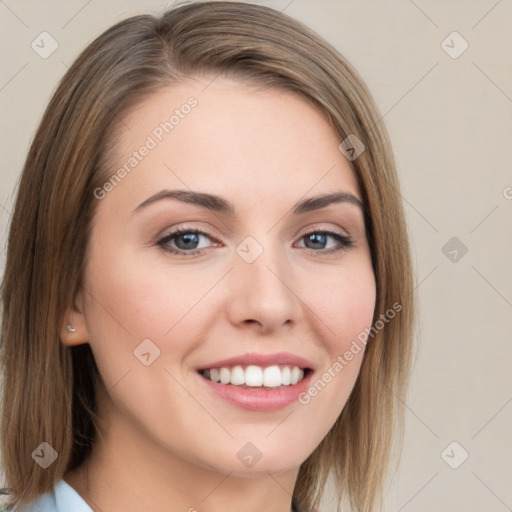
(450, 120)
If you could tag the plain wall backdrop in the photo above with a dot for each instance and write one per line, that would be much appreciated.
(441, 73)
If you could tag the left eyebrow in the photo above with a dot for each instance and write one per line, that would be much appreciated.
(217, 203)
(318, 202)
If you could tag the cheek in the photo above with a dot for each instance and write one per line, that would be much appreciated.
(133, 294)
(134, 299)
(344, 303)
(344, 307)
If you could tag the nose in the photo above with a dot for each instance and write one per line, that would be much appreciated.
(264, 293)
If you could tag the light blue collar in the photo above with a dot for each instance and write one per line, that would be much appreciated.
(68, 500)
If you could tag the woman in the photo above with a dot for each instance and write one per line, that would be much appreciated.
(208, 295)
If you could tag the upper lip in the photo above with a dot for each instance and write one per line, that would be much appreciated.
(264, 360)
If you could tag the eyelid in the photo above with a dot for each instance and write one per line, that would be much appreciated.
(321, 226)
(185, 228)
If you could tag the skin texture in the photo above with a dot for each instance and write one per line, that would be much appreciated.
(165, 440)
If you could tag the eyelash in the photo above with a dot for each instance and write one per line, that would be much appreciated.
(345, 241)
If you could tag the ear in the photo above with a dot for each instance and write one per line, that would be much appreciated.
(74, 329)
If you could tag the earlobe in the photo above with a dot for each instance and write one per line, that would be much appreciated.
(74, 329)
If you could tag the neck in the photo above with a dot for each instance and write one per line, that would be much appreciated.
(129, 471)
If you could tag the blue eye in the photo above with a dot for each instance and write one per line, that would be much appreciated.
(320, 240)
(190, 242)
(186, 241)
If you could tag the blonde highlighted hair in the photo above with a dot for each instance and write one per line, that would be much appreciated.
(48, 388)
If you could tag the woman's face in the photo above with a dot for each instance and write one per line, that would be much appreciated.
(261, 270)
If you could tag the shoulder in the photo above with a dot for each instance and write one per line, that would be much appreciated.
(63, 498)
(45, 503)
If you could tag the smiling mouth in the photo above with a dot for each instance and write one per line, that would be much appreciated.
(254, 377)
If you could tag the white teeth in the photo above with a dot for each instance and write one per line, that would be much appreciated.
(225, 375)
(215, 374)
(286, 376)
(296, 376)
(256, 376)
(237, 375)
(253, 376)
(272, 377)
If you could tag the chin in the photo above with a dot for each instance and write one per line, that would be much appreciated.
(273, 463)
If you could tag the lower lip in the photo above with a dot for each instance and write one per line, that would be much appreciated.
(259, 399)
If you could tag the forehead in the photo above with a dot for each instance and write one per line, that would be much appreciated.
(224, 137)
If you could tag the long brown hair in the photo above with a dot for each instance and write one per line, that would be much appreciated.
(48, 388)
